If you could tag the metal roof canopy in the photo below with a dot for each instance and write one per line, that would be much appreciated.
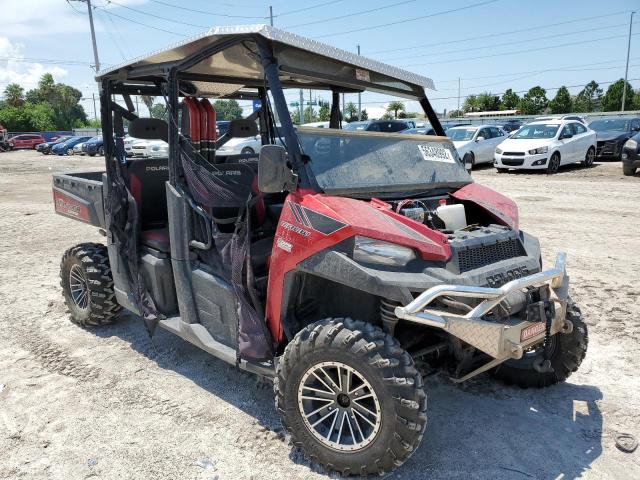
(231, 66)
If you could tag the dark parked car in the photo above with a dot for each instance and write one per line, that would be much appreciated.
(421, 131)
(66, 148)
(93, 147)
(631, 155)
(612, 133)
(390, 126)
(26, 140)
(511, 125)
(46, 146)
(221, 127)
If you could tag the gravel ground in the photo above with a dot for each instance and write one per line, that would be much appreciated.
(112, 403)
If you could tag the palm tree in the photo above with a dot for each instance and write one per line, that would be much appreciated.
(14, 95)
(148, 101)
(395, 107)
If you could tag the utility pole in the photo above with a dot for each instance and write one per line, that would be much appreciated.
(359, 97)
(95, 111)
(93, 37)
(626, 69)
(458, 94)
(301, 107)
(271, 15)
(137, 108)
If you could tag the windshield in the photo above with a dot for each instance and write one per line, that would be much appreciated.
(355, 125)
(536, 131)
(604, 125)
(461, 134)
(374, 163)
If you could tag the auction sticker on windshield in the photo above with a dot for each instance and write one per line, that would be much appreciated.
(436, 153)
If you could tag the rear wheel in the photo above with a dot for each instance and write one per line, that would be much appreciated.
(567, 352)
(628, 170)
(101, 151)
(554, 163)
(589, 157)
(87, 285)
(69, 151)
(247, 151)
(350, 397)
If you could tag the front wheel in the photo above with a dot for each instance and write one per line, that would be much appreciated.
(470, 159)
(70, 151)
(589, 157)
(101, 151)
(628, 170)
(554, 163)
(247, 151)
(350, 397)
(567, 352)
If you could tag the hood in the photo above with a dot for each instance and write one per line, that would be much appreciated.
(523, 144)
(606, 135)
(375, 219)
(502, 208)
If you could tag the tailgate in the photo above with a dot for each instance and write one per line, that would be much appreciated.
(79, 196)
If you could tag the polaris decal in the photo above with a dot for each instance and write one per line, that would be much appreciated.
(501, 278)
(65, 205)
(317, 221)
(284, 245)
(436, 153)
(532, 330)
(295, 229)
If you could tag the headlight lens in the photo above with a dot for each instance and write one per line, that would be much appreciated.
(369, 250)
(631, 144)
(537, 151)
(498, 151)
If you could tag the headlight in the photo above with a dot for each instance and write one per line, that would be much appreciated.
(536, 151)
(631, 144)
(369, 250)
(498, 151)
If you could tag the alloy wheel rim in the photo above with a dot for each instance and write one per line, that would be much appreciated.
(78, 286)
(339, 406)
(555, 164)
(590, 155)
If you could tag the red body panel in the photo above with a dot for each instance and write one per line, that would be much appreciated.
(211, 120)
(502, 208)
(194, 121)
(69, 207)
(26, 141)
(204, 121)
(296, 239)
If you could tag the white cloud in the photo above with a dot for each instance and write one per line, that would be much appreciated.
(15, 69)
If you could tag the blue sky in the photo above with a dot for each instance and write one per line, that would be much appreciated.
(491, 45)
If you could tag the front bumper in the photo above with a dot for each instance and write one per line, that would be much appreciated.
(500, 340)
(521, 161)
(609, 148)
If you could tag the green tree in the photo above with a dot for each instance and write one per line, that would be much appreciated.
(471, 104)
(395, 107)
(612, 100)
(148, 101)
(159, 110)
(227, 109)
(589, 99)
(351, 112)
(510, 100)
(455, 113)
(310, 115)
(14, 95)
(488, 102)
(324, 114)
(534, 101)
(561, 103)
(364, 115)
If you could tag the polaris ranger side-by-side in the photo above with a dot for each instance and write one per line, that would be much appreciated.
(332, 261)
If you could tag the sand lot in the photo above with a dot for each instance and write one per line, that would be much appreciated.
(111, 403)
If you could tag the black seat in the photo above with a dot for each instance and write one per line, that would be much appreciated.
(260, 253)
(147, 179)
(158, 239)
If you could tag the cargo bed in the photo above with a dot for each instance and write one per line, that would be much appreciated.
(79, 196)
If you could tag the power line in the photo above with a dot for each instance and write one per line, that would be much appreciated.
(491, 35)
(142, 12)
(291, 12)
(108, 12)
(406, 20)
(204, 12)
(340, 17)
(45, 60)
(518, 52)
(510, 43)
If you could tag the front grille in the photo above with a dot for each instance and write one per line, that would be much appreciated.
(478, 256)
(514, 154)
(512, 162)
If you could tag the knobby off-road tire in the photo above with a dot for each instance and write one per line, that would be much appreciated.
(568, 351)
(87, 285)
(354, 358)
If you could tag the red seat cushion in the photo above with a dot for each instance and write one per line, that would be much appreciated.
(157, 239)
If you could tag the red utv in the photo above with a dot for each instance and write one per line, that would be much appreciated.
(332, 261)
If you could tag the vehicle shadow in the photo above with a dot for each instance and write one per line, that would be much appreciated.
(480, 429)
(572, 167)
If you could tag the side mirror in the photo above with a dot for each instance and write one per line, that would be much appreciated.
(565, 135)
(468, 163)
(479, 139)
(274, 172)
